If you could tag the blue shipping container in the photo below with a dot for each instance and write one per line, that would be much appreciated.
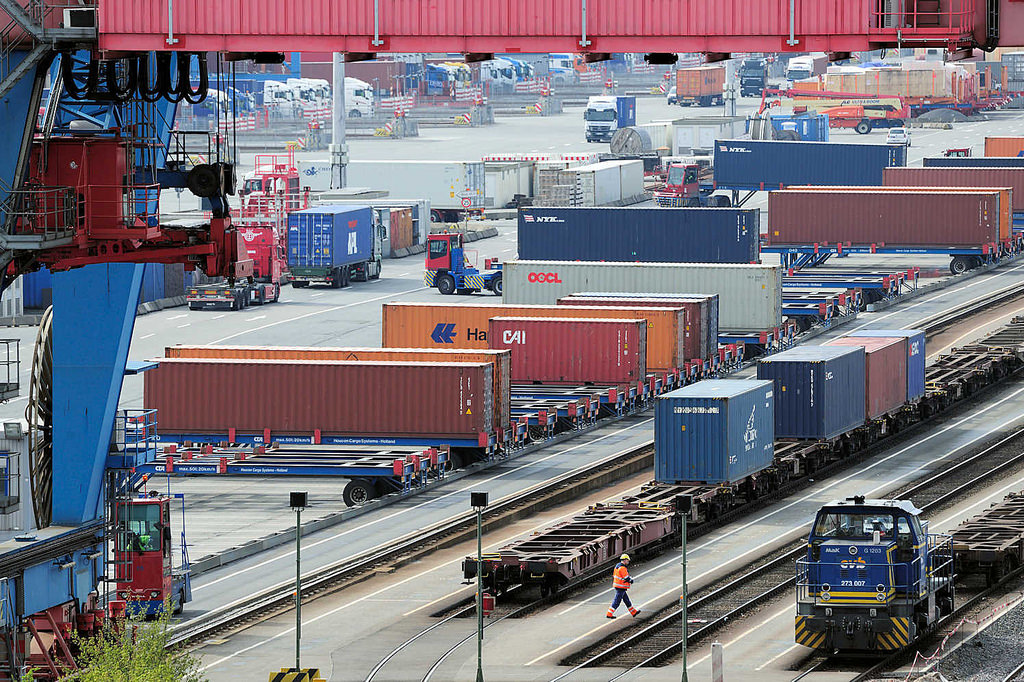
(810, 127)
(819, 390)
(916, 355)
(330, 236)
(974, 161)
(651, 234)
(38, 289)
(152, 283)
(714, 431)
(765, 164)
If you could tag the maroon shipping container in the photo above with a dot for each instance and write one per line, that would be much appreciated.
(566, 350)
(401, 399)
(920, 219)
(959, 177)
(885, 386)
(701, 313)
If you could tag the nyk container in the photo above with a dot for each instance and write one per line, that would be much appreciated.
(772, 164)
(974, 161)
(501, 361)
(1004, 146)
(750, 296)
(916, 355)
(860, 217)
(339, 398)
(714, 432)
(701, 339)
(962, 177)
(447, 325)
(560, 350)
(885, 387)
(819, 390)
(650, 234)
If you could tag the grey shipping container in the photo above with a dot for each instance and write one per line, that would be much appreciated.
(716, 431)
(750, 296)
(819, 390)
(650, 234)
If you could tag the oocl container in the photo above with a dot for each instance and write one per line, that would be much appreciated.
(916, 355)
(440, 325)
(649, 234)
(701, 336)
(885, 387)
(381, 399)
(819, 390)
(562, 350)
(750, 296)
(714, 432)
(500, 359)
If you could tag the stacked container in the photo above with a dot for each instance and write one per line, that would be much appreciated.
(972, 161)
(1004, 146)
(557, 350)
(886, 372)
(962, 177)
(916, 355)
(819, 390)
(714, 432)
(773, 164)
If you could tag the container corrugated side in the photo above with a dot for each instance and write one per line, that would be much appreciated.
(766, 165)
(973, 161)
(628, 234)
(330, 236)
(563, 350)
(962, 177)
(502, 361)
(1004, 146)
(750, 296)
(714, 432)
(400, 399)
(913, 219)
(916, 355)
(819, 390)
(429, 325)
(885, 388)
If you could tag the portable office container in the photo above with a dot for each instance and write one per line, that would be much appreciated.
(750, 296)
(565, 350)
(916, 355)
(650, 234)
(885, 387)
(714, 432)
(819, 390)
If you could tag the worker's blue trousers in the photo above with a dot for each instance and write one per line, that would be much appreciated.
(621, 596)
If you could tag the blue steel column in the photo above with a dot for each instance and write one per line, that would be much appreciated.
(93, 318)
(18, 108)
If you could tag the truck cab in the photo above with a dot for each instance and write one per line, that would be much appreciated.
(143, 557)
(688, 184)
(604, 115)
(449, 270)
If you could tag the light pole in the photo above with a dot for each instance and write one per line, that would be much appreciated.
(298, 502)
(478, 500)
(683, 505)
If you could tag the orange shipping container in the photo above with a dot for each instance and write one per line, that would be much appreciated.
(700, 81)
(400, 228)
(1004, 146)
(500, 359)
(465, 326)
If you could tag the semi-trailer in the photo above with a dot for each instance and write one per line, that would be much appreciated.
(334, 245)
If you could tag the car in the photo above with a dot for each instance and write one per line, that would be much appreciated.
(670, 96)
(898, 136)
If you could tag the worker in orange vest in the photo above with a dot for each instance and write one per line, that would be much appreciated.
(621, 582)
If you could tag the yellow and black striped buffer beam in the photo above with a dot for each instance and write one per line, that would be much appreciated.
(898, 637)
(805, 636)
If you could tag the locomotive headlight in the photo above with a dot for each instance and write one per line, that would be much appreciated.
(825, 587)
(825, 596)
(880, 596)
(879, 587)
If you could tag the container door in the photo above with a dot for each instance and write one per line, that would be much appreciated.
(322, 228)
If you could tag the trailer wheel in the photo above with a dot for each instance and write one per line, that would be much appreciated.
(864, 127)
(358, 492)
(445, 284)
(959, 265)
(277, 293)
(377, 270)
(179, 606)
(496, 285)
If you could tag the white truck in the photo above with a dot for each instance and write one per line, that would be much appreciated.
(454, 188)
(296, 94)
(605, 115)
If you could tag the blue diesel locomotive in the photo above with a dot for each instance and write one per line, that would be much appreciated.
(873, 580)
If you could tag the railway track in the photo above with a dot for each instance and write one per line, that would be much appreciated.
(660, 640)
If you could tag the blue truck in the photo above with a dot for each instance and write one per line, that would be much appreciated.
(334, 245)
(605, 115)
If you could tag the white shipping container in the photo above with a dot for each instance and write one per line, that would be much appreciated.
(315, 174)
(420, 212)
(505, 180)
(690, 136)
(599, 183)
(661, 134)
(444, 183)
(750, 296)
(631, 178)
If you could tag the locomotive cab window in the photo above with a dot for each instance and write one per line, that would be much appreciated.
(854, 526)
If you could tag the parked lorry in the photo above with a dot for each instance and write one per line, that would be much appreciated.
(753, 74)
(333, 245)
(605, 115)
(449, 270)
(807, 66)
(700, 86)
(266, 253)
(455, 189)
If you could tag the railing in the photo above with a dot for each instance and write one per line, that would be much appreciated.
(49, 212)
(10, 368)
(905, 17)
(121, 211)
(134, 438)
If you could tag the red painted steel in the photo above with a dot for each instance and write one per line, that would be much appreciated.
(935, 176)
(885, 387)
(402, 399)
(533, 25)
(563, 350)
(891, 218)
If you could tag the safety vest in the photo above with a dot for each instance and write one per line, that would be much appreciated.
(620, 578)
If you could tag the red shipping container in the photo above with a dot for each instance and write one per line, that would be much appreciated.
(885, 386)
(401, 399)
(565, 350)
(936, 176)
(919, 219)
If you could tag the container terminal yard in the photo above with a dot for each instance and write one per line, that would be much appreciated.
(346, 342)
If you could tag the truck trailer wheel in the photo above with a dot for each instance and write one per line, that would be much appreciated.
(496, 285)
(959, 265)
(376, 270)
(358, 492)
(864, 127)
(445, 284)
(179, 604)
